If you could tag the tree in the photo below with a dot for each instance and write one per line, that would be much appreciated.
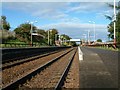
(5, 24)
(111, 25)
(73, 43)
(99, 40)
(65, 38)
(42, 36)
(42, 32)
(23, 32)
(52, 35)
(118, 28)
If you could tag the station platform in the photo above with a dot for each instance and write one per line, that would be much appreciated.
(94, 73)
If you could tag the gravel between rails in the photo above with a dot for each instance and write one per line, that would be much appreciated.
(72, 79)
(17, 62)
(11, 74)
(49, 77)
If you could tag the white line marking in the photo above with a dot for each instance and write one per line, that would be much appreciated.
(80, 54)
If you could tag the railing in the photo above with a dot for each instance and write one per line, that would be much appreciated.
(106, 45)
(12, 45)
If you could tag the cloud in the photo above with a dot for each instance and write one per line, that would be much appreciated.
(88, 7)
(58, 0)
(65, 14)
(50, 13)
(103, 13)
(39, 9)
(76, 30)
(69, 19)
(75, 25)
(56, 10)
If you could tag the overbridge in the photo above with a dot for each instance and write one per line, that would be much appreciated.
(75, 40)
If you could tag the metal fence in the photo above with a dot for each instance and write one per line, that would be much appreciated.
(12, 45)
(107, 45)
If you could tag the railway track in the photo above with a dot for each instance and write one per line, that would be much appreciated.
(18, 62)
(73, 76)
(8, 84)
(10, 55)
(52, 77)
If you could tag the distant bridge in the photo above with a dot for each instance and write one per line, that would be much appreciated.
(75, 40)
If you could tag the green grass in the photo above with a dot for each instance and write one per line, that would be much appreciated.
(16, 42)
(110, 48)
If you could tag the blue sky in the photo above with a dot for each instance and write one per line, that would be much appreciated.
(71, 18)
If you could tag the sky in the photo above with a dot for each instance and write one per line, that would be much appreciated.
(70, 18)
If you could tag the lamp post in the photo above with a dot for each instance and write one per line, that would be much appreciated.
(84, 37)
(94, 30)
(31, 33)
(49, 40)
(56, 37)
(48, 37)
(114, 22)
(2, 28)
(61, 38)
(88, 37)
(31, 30)
(96, 36)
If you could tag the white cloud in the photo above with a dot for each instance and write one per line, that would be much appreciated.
(103, 13)
(88, 7)
(75, 29)
(68, 24)
(55, 10)
(50, 13)
(73, 20)
(71, 25)
(58, 1)
(40, 9)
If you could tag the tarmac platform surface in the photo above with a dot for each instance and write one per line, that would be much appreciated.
(99, 68)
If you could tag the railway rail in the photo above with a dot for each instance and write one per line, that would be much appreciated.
(12, 54)
(52, 77)
(18, 62)
(72, 79)
(38, 69)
